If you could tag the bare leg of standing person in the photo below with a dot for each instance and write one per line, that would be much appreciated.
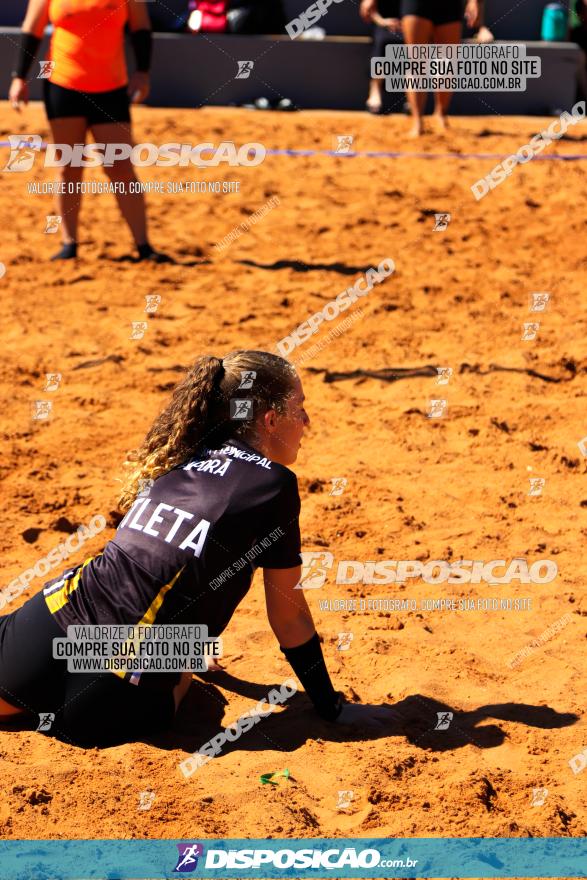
(132, 205)
(374, 100)
(445, 33)
(68, 130)
(416, 30)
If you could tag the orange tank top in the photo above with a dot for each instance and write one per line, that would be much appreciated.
(87, 44)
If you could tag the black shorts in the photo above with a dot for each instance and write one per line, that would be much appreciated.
(90, 709)
(436, 11)
(96, 107)
(389, 8)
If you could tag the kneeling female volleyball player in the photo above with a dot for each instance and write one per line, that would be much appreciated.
(219, 486)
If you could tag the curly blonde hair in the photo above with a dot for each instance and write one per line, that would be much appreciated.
(199, 412)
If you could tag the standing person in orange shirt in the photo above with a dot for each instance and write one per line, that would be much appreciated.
(89, 88)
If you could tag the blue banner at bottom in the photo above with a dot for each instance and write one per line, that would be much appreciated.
(473, 857)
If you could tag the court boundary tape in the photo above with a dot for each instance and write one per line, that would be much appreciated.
(380, 154)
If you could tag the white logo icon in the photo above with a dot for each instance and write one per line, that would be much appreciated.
(144, 487)
(339, 484)
(530, 331)
(444, 375)
(441, 222)
(153, 303)
(582, 444)
(244, 69)
(315, 566)
(344, 143)
(146, 799)
(344, 799)
(241, 408)
(539, 796)
(52, 223)
(41, 409)
(46, 719)
(536, 485)
(46, 70)
(578, 762)
(22, 151)
(444, 719)
(247, 379)
(52, 381)
(139, 328)
(437, 408)
(344, 641)
(539, 302)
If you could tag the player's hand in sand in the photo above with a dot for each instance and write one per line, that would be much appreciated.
(366, 715)
(18, 93)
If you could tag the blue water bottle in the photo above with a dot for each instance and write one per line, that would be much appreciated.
(554, 23)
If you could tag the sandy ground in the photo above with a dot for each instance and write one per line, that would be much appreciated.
(418, 488)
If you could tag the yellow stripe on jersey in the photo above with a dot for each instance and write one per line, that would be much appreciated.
(150, 614)
(56, 601)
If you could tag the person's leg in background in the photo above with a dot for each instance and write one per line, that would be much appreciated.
(445, 33)
(373, 103)
(475, 18)
(387, 29)
(69, 130)
(131, 204)
(416, 30)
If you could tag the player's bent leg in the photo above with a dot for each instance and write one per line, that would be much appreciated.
(29, 675)
(181, 689)
(105, 710)
(68, 130)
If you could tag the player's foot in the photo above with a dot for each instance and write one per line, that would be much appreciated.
(146, 252)
(373, 106)
(484, 35)
(67, 252)
(417, 129)
(441, 121)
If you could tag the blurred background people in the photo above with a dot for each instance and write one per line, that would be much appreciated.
(387, 28)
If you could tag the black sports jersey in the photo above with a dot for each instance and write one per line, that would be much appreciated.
(186, 551)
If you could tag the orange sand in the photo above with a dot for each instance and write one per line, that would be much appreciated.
(417, 488)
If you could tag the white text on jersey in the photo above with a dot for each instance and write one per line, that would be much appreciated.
(194, 540)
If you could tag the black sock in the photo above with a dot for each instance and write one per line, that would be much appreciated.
(146, 252)
(67, 252)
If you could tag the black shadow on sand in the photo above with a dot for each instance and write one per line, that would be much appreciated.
(415, 718)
